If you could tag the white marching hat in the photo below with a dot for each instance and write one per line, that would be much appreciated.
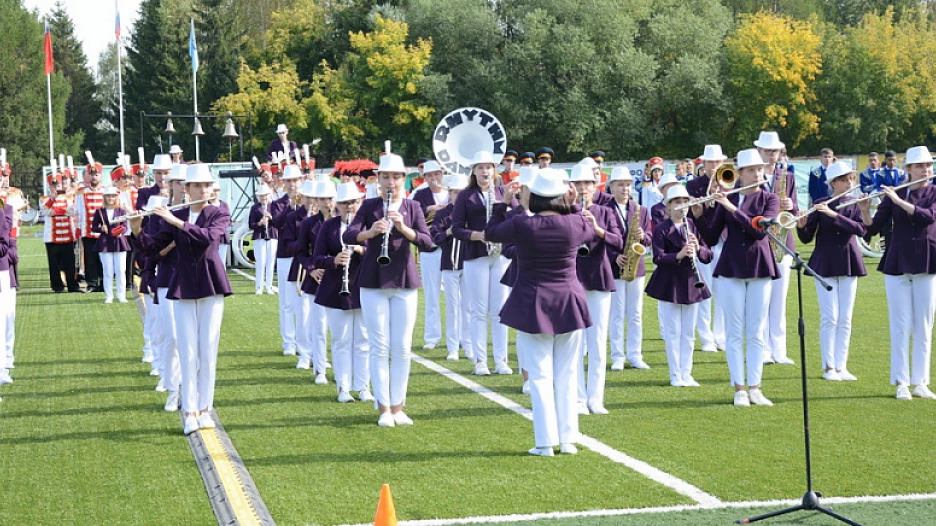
(589, 162)
(837, 170)
(482, 157)
(111, 190)
(198, 173)
(155, 201)
(307, 189)
(549, 182)
(281, 128)
(457, 182)
(431, 166)
(324, 189)
(161, 162)
(621, 173)
(918, 154)
(582, 172)
(175, 148)
(713, 152)
(527, 174)
(177, 172)
(674, 193)
(348, 192)
(291, 172)
(263, 190)
(769, 140)
(393, 163)
(749, 157)
(667, 179)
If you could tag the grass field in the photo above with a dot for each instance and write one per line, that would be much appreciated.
(84, 440)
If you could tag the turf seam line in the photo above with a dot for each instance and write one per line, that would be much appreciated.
(231, 490)
(676, 484)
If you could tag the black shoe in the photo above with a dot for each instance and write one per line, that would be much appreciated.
(59, 291)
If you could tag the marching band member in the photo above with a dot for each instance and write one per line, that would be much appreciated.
(648, 190)
(509, 174)
(868, 179)
(837, 259)
(432, 199)
(547, 304)
(909, 267)
(111, 246)
(88, 200)
(744, 272)
(526, 159)
(544, 156)
(456, 297)
(226, 238)
(594, 273)
(7, 291)
(199, 294)
(818, 181)
(161, 166)
(599, 196)
(676, 253)
(324, 201)
(770, 148)
(152, 336)
(300, 242)
(627, 301)
(658, 212)
(388, 292)
(288, 297)
(281, 144)
(59, 235)
(175, 154)
(484, 266)
(339, 293)
(265, 239)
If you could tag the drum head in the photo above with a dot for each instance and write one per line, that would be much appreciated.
(463, 133)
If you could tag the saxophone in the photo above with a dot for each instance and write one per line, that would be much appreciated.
(493, 249)
(779, 188)
(633, 247)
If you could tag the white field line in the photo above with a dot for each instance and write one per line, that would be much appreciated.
(495, 519)
(242, 273)
(678, 485)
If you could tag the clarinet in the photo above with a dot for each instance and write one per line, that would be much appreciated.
(583, 250)
(384, 258)
(696, 276)
(345, 278)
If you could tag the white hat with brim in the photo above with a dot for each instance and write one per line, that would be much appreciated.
(749, 157)
(713, 152)
(324, 189)
(162, 162)
(589, 162)
(111, 190)
(482, 157)
(582, 172)
(457, 182)
(281, 128)
(155, 201)
(918, 155)
(674, 193)
(291, 172)
(198, 173)
(392, 163)
(263, 190)
(175, 148)
(769, 140)
(431, 166)
(621, 173)
(667, 179)
(177, 172)
(837, 170)
(348, 192)
(527, 174)
(307, 189)
(549, 182)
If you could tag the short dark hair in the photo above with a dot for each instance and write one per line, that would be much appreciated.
(890, 153)
(825, 151)
(558, 205)
(873, 154)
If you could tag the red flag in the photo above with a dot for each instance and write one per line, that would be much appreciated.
(49, 64)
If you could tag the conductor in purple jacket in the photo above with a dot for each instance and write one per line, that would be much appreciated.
(547, 304)
(281, 144)
(389, 225)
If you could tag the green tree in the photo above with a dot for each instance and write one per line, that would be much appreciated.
(104, 136)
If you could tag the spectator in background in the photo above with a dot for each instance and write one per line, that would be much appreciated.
(818, 185)
(868, 179)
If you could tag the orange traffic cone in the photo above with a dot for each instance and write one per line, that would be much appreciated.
(386, 514)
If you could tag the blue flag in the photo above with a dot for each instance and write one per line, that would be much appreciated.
(192, 49)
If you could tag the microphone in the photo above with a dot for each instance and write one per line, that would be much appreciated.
(762, 223)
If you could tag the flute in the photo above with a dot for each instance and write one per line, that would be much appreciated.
(151, 212)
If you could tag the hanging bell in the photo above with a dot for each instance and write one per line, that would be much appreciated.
(170, 129)
(230, 133)
(198, 129)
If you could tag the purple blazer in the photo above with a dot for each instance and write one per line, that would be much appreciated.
(698, 186)
(401, 273)
(108, 242)
(226, 238)
(6, 225)
(673, 280)
(836, 253)
(200, 272)
(441, 223)
(547, 297)
(469, 216)
(143, 195)
(261, 232)
(623, 225)
(594, 270)
(298, 244)
(912, 245)
(657, 214)
(279, 209)
(327, 246)
(602, 198)
(277, 146)
(509, 251)
(425, 199)
(746, 252)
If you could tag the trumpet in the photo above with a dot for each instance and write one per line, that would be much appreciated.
(151, 212)
(583, 250)
(345, 275)
(872, 195)
(813, 209)
(709, 198)
(384, 257)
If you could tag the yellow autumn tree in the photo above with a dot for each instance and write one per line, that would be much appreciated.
(773, 64)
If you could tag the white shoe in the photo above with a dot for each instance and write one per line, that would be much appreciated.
(568, 449)
(690, 381)
(172, 402)
(597, 409)
(122, 300)
(205, 421)
(365, 396)
(161, 386)
(758, 398)
(741, 399)
(921, 391)
(304, 363)
(677, 381)
(154, 372)
(481, 369)
(903, 392)
(189, 425)
(583, 408)
(401, 419)
(503, 368)
(710, 349)
(526, 388)
(148, 357)
(832, 375)
(345, 397)
(258, 292)
(320, 379)
(542, 452)
(452, 356)
(108, 301)
(386, 420)
(639, 364)
(617, 365)
(289, 352)
(847, 376)
(273, 290)
(783, 360)
(429, 346)
(5, 378)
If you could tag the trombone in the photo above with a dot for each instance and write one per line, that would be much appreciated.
(873, 195)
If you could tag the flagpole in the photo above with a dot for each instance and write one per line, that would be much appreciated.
(51, 137)
(193, 53)
(120, 81)
(195, 97)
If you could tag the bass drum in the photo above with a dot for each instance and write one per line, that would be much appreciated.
(463, 133)
(30, 216)
(243, 246)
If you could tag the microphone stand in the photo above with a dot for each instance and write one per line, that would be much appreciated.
(810, 500)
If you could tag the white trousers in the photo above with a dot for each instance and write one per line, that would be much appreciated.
(223, 253)
(911, 302)
(311, 331)
(168, 353)
(114, 265)
(744, 302)
(198, 326)
(430, 272)
(8, 313)
(835, 320)
(288, 298)
(456, 311)
(627, 306)
(708, 337)
(775, 338)
(486, 297)
(350, 351)
(679, 337)
(150, 320)
(550, 359)
(390, 317)
(265, 259)
(592, 388)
